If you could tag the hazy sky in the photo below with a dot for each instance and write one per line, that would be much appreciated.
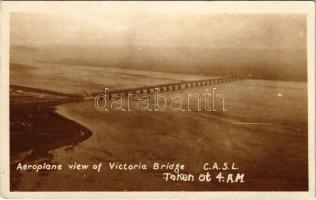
(161, 29)
(165, 40)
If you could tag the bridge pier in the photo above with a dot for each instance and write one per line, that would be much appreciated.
(151, 90)
(145, 91)
(164, 88)
(129, 92)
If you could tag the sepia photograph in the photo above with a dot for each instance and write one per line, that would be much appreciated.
(158, 97)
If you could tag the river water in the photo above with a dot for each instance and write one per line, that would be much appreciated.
(263, 131)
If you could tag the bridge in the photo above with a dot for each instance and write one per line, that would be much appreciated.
(173, 86)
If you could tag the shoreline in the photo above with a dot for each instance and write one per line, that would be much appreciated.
(36, 128)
